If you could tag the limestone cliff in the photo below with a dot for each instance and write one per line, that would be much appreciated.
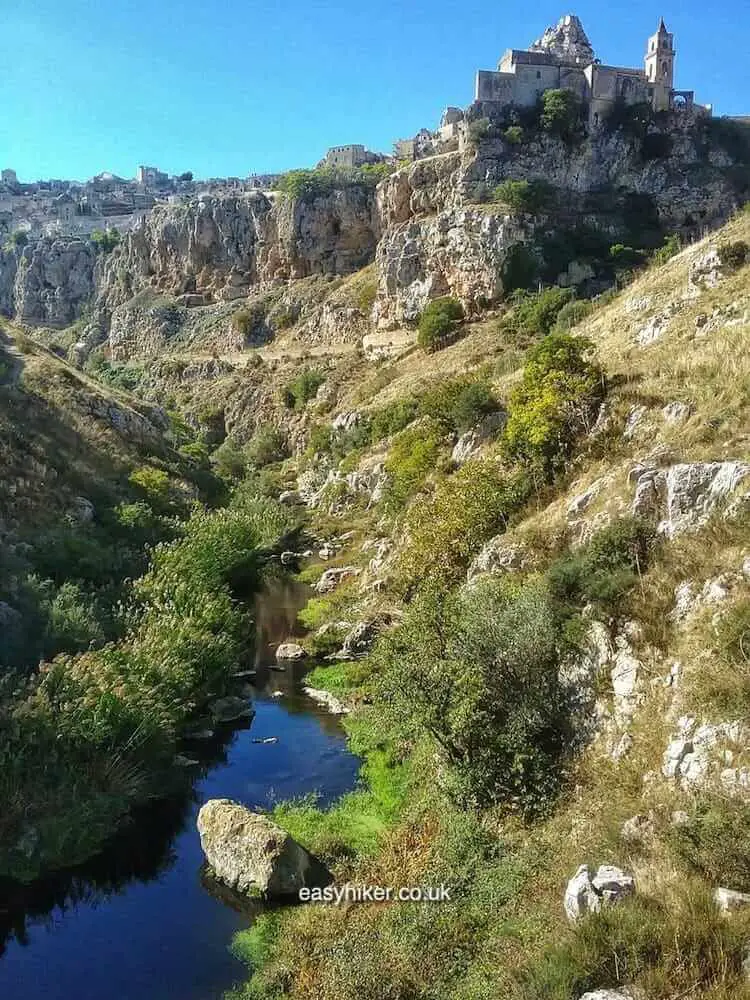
(48, 282)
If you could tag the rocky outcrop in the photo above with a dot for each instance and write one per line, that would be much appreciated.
(290, 651)
(48, 282)
(567, 40)
(438, 241)
(251, 854)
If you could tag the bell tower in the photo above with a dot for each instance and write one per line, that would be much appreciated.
(660, 57)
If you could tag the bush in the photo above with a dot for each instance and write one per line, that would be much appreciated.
(444, 531)
(725, 689)
(105, 240)
(479, 130)
(438, 321)
(669, 951)
(534, 314)
(559, 392)
(571, 314)
(301, 390)
(478, 674)
(268, 445)
(524, 196)
(229, 460)
(513, 135)
(606, 568)
(733, 255)
(671, 246)
(560, 113)
(154, 485)
(413, 454)
(308, 184)
(18, 238)
(248, 322)
(458, 404)
(366, 297)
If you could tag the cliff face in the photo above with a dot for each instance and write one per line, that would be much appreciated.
(440, 237)
(219, 248)
(47, 283)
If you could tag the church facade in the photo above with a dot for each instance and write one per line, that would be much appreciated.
(564, 59)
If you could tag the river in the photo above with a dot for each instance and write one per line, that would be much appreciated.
(138, 923)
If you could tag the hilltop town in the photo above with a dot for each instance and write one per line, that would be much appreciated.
(562, 58)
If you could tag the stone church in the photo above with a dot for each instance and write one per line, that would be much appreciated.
(564, 59)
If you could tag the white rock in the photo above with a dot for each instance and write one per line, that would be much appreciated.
(729, 900)
(585, 894)
(333, 577)
(695, 489)
(251, 854)
(290, 651)
(676, 413)
(327, 700)
(634, 418)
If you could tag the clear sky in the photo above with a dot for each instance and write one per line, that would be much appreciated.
(229, 87)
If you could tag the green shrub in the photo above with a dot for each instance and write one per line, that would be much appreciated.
(478, 674)
(671, 246)
(479, 130)
(366, 297)
(524, 196)
(105, 240)
(392, 418)
(458, 404)
(18, 238)
(229, 460)
(716, 841)
(302, 389)
(733, 255)
(571, 314)
(513, 135)
(268, 445)
(308, 184)
(560, 113)
(534, 314)
(438, 321)
(445, 530)
(724, 690)
(668, 951)
(412, 456)
(248, 322)
(625, 258)
(555, 401)
(602, 571)
(154, 485)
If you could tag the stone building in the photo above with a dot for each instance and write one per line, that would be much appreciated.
(353, 155)
(564, 59)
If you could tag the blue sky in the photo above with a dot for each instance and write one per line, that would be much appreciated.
(234, 86)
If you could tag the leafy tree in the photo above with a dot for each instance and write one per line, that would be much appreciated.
(296, 394)
(105, 240)
(555, 400)
(533, 314)
(477, 674)
(438, 320)
(560, 113)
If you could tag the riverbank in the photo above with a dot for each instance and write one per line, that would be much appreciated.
(91, 736)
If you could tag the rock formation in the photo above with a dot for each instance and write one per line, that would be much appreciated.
(251, 854)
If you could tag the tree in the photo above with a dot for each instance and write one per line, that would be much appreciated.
(187, 176)
(439, 318)
(560, 113)
(477, 673)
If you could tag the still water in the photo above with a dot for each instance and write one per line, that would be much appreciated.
(139, 924)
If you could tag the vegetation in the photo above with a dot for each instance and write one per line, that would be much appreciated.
(412, 456)
(534, 314)
(438, 322)
(561, 113)
(556, 399)
(105, 240)
(524, 196)
(92, 734)
(297, 393)
(733, 255)
(307, 184)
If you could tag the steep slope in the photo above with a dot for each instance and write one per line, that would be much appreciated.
(640, 542)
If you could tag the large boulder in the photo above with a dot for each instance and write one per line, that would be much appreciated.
(252, 855)
(694, 490)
